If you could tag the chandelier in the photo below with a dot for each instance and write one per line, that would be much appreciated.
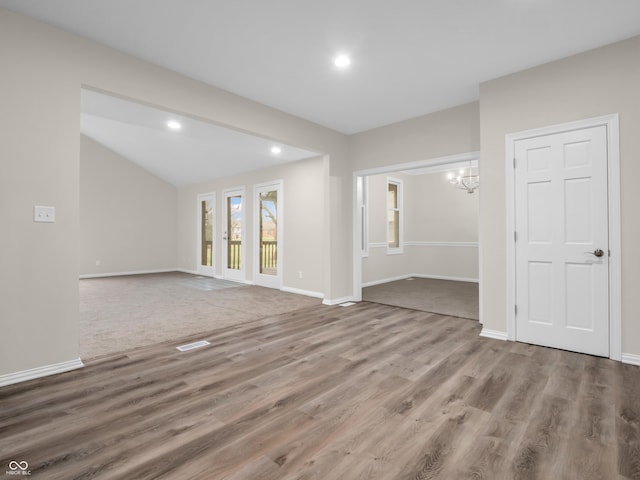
(466, 179)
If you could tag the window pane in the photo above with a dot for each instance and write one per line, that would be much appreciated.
(234, 231)
(206, 255)
(269, 233)
(394, 240)
(392, 200)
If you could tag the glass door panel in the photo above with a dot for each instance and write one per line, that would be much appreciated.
(268, 232)
(268, 237)
(233, 235)
(206, 225)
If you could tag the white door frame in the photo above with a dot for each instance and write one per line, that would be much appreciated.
(230, 274)
(613, 186)
(202, 269)
(357, 211)
(271, 281)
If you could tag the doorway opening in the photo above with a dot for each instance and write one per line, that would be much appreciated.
(415, 232)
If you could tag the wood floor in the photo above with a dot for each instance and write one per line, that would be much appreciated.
(368, 391)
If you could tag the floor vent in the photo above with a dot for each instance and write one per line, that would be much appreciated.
(346, 304)
(191, 346)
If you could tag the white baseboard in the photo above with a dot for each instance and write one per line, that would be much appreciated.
(385, 280)
(630, 358)
(120, 274)
(299, 291)
(444, 277)
(38, 372)
(336, 301)
(495, 334)
(191, 272)
(419, 275)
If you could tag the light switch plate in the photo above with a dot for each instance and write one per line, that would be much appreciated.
(44, 214)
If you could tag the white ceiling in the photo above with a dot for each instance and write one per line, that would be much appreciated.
(409, 57)
(197, 152)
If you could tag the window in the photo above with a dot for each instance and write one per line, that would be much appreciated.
(394, 215)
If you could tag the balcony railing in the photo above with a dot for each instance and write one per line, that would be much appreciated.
(233, 254)
(268, 256)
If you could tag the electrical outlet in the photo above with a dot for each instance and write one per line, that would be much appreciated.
(300, 274)
(98, 263)
(44, 214)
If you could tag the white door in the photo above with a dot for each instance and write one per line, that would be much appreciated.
(268, 230)
(562, 260)
(233, 235)
(206, 234)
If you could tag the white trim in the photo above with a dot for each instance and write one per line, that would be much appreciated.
(191, 272)
(39, 372)
(356, 234)
(419, 275)
(418, 243)
(400, 167)
(442, 244)
(298, 291)
(630, 358)
(495, 334)
(441, 168)
(121, 274)
(336, 301)
(445, 277)
(611, 123)
(385, 280)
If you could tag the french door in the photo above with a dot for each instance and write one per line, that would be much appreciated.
(233, 249)
(268, 228)
(562, 251)
(206, 234)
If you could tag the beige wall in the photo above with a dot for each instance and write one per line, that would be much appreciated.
(303, 221)
(45, 68)
(43, 71)
(448, 132)
(434, 213)
(599, 82)
(128, 217)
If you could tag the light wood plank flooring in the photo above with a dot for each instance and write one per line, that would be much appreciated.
(368, 391)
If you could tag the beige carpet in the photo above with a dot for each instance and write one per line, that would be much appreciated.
(120, 313)
(458, 299)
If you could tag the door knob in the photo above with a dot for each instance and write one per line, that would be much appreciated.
(597, 252)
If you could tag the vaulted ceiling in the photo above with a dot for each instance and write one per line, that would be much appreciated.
(408, 57)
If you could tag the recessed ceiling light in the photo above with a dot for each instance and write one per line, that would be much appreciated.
(276, 150)
(173, 125)
(342, 61)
